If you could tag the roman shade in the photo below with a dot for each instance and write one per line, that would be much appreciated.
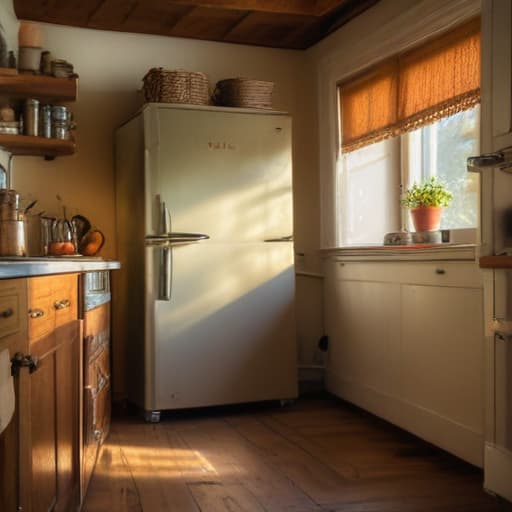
(435, 80)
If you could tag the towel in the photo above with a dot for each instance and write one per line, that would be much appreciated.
(7, 399)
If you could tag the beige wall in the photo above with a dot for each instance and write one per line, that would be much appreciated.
(111, 66)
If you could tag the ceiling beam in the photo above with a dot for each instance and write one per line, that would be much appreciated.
(323, 7)
(303, 7)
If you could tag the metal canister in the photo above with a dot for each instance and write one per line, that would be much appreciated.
(31, 117)
(46, 121)
(60, 122)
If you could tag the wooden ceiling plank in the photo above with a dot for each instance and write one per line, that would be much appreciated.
(323, 7)
(304, 7)
(349, 10)
(234, 26)
(204, 23)
(111, 14)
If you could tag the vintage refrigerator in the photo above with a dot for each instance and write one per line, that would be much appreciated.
(205, 297)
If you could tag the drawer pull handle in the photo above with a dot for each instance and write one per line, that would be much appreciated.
(62, 304)
(35, 313)
(6, 313)
(440, 271)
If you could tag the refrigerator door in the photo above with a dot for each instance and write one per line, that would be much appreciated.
(227, 335)
(225, 174)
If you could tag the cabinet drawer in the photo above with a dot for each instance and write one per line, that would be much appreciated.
(41, 318)
(10, 296)
(439, 273)
(52, 302)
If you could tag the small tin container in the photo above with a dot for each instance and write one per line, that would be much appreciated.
(46, 121)
(31, 117)
(61, 119)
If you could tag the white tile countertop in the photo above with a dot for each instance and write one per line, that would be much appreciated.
(12, 267)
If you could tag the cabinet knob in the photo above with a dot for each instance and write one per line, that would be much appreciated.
(62, 304)
(35, 313)
(6, 313)
(440, 271)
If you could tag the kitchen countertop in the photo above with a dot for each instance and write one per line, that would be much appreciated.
(12, 267)
(504, 261)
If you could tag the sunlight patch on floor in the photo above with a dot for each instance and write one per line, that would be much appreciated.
(161, 463)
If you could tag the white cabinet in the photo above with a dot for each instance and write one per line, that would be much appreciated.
(406, 343)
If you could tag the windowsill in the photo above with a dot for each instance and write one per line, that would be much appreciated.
(417, 252)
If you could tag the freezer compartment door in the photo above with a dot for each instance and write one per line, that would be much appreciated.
(228, 175)
(227, 335)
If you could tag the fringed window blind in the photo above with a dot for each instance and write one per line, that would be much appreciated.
(435, 80)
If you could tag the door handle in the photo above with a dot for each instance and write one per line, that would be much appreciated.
(21, 360)
(288, 238)
(6, 313)
(165, 284)
(62, 304)
(502, 329)
(35, 313)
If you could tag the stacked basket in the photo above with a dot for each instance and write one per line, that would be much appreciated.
(178, 86)
(244, 93)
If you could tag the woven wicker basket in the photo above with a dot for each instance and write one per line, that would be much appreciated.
(244, 93)
(178, 86)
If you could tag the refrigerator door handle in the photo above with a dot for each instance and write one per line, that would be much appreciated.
(165, 284)
(288, 238)
(174, 238)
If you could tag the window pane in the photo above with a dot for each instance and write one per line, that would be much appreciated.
(441, 150)
(369, 193)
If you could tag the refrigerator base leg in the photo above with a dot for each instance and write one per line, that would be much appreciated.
(152, 416)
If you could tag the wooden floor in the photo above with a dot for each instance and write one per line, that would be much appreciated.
(317, 455)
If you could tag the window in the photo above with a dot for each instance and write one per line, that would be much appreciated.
(441, 149)
(410, 118)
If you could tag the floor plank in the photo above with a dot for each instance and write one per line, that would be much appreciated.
(320, 455)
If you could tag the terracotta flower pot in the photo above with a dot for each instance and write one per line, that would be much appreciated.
(426, 218)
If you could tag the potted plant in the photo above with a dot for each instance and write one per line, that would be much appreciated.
(426, 201)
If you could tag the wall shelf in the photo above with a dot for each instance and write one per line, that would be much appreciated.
(38, 86)
(47, 89)
(36, 146)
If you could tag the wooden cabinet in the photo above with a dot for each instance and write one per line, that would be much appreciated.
(96, 385)
(406, 343)
(39, 454)
(47, 89)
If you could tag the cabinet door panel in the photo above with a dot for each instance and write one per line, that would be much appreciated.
(43, 434)
(67, 376)
(502, 73)
(443, 352)
(9, 466)
(365, 346)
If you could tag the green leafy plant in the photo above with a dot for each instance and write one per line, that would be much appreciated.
(427, 193)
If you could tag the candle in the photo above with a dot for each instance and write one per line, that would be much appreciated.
(30, 35)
